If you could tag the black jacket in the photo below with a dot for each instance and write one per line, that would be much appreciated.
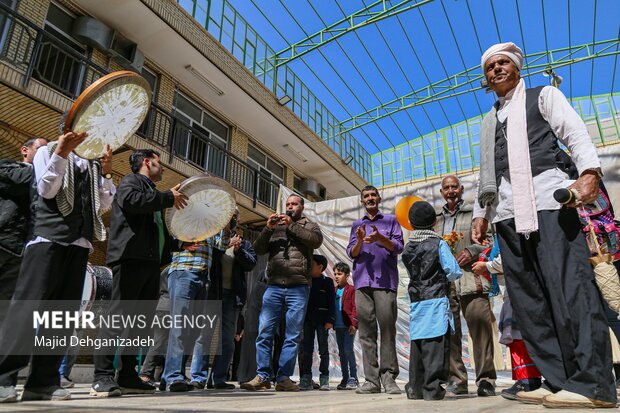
(322, 301)
(16, 196)
(245, 260)
(427, 279)
(134, 234)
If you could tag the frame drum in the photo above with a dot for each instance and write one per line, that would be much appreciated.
(211, 204)
(110, 110)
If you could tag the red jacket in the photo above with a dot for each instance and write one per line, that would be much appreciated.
(349, 312)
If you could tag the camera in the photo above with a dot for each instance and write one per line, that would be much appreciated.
(273, 221)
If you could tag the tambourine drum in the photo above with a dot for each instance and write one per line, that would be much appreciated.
(211, 204)
(110, 110)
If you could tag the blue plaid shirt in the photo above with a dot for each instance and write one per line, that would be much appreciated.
(199, 260)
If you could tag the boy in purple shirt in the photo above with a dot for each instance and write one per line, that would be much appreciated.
(374, 244)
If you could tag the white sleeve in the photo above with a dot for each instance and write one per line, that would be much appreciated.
(107, 189)
(568, 127)
(49, 172)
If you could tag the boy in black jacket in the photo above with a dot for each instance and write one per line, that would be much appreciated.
(431, 267)
(320, 317)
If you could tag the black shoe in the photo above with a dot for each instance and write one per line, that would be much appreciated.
(196, 385)
(411, 394)
(457, 388)
(105, 387)
(209, 385)
(225, 386)
(162, 384)
(148, 380)
(511, 392)
(178, 386)
(486, 389)
(342, 385)
(134, 385)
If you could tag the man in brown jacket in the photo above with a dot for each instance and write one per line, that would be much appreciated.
(469, 294)
(290, 240)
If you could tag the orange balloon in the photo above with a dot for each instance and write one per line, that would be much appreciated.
(402, 210)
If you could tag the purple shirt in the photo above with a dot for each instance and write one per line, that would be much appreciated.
(375, 266)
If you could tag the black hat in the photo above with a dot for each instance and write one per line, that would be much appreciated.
(422, 215)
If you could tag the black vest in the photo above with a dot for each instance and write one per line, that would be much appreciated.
(51, 224)
(427, 279)
(542, 141)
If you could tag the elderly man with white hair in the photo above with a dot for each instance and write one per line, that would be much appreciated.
(544, 252)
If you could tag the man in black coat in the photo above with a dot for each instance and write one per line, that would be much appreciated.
(139, 245)
(16, 195)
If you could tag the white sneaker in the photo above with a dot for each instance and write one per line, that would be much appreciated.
(533, 397)
(567, 399)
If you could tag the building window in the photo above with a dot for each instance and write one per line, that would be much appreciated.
(58, 61)
(153, 80)
(199, 137)
(5, 22)
(297, 184)
(270, 176)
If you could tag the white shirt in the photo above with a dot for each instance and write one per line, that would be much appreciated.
(49, 172)
(570, 130)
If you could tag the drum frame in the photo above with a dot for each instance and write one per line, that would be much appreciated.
(92, 91)
(220, 182)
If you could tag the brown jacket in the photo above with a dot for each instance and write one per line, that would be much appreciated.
(469, 283)
(290, 251)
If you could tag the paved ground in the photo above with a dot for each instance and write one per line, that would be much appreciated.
(270, 401)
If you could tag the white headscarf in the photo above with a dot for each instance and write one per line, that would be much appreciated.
(511, 50)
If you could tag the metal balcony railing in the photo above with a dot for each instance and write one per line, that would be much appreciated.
(52, 61)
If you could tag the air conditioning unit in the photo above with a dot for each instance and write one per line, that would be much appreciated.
(126, 53)
(312, 187)
(93, 33)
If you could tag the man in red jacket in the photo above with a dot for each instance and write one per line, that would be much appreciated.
(345, 326)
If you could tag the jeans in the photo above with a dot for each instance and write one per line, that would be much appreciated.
(66, 365)
(276, 298)
(307, 348)
(187, 289)
(200, 361)
(348, 364)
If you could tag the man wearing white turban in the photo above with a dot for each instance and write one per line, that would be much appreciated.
(544, 252)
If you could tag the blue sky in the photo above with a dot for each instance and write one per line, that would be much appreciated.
(382, 61)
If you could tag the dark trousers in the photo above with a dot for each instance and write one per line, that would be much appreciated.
(49, 271)
(552, 290)
(156, 356)
(9, 270)
(377, 306)
(478, 314)
(348, 364)
(133, 281)
(311, 329)
(221, 362)
(429, 367)
(458, 371)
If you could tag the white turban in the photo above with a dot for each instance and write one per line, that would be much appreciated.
(511, 50)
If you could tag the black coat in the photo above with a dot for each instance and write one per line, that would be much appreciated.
(245, 260)
(134, 234)
(427, 279)
(16, 195)
(322, 301)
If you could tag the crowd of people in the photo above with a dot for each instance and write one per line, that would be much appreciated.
(553, 318)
